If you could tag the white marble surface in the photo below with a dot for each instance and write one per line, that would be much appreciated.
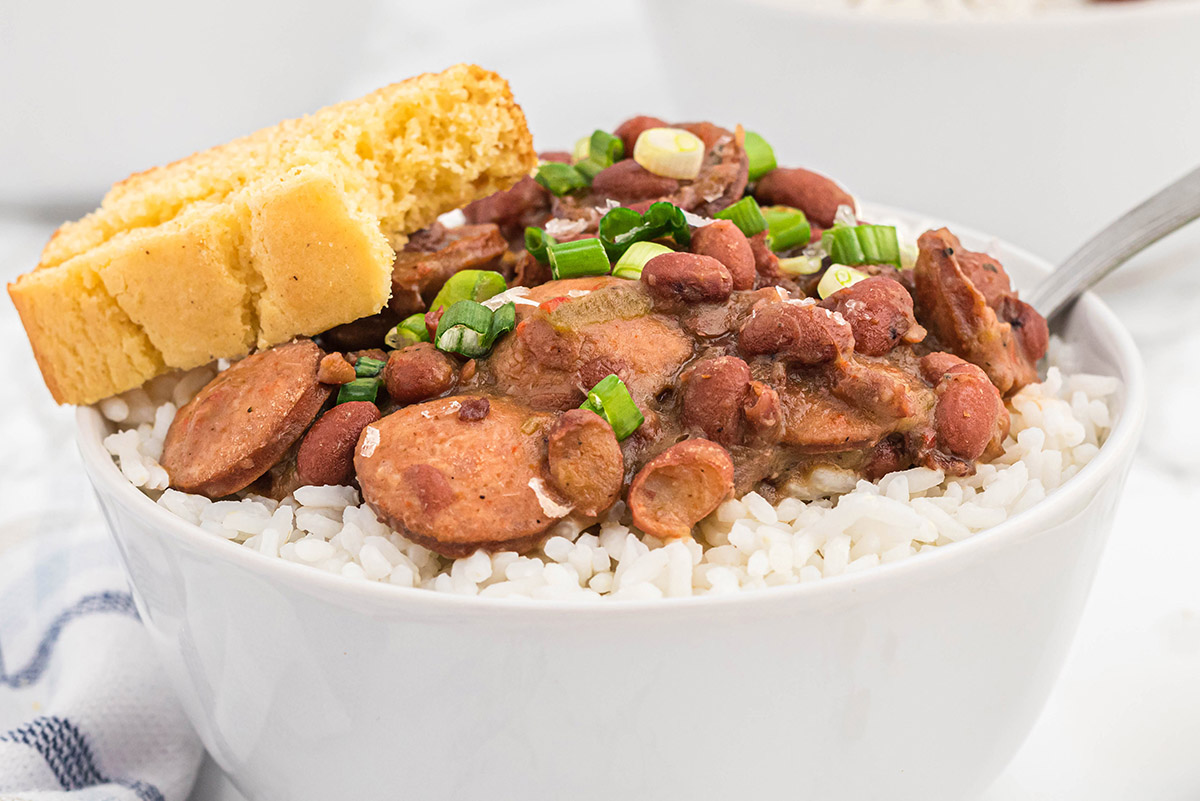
(1124, 720)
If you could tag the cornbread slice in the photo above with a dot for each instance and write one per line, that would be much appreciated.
(289, 231)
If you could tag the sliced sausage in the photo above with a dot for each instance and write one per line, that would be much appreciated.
(326, 454)
(417, 373)
(724, 241)
(245, 420)
(799, 332)
(880, 312)
(417, 276)
(680, 487)
(815, 195)
(585, 461)
(456, 486)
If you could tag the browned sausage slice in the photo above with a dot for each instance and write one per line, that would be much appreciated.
(244, 421)
(680, 487)
(456, 485)
(586, 464)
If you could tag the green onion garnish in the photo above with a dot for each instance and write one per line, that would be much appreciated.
(611, 400)
(412, 329)
(589, 168)
(800, 265)
(746, 215)
(582, 146)
(470, 329)
(786, 227)
(504, 319)
(862, 244)
(579, 258)
(536, 242)
(560, 179)
(465, 328)
(477, 285)
(621, 227)
(837, 278)
(360, 389)
(760, 155)
(606, 149)
(633, 260)
(366, 367)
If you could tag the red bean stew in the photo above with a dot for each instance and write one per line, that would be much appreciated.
(692, 322)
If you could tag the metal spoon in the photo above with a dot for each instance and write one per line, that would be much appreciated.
(1162, 213)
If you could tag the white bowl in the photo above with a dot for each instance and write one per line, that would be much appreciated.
(1039, 128)
(915, 680)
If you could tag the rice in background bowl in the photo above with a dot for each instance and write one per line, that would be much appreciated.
(913, 680)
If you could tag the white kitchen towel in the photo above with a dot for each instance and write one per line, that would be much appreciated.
(85, 710)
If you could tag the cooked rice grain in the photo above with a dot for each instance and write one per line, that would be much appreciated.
(1058, 426)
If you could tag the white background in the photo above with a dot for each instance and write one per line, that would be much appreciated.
(1124, 720)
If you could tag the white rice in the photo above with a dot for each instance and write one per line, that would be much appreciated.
(848, 525)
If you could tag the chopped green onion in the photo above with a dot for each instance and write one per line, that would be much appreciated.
(611, 400)
(800, 265)
(606, 149)
(579, 258)
(633, 260)
(786, 227)
(536, 242)
(478, 285)
(760, 155)
(589, 168)
(879, 243)
(746, 215)
(841, 243)
(621, 227)
(360, 389)
(412, 329)
(582, 149)
(560, 179)
(465, 328)
(504, 319)
(862, 244)
(838, 277)
(367, 367)
(670, 152)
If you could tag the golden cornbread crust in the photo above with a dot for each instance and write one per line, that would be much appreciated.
(286, 232)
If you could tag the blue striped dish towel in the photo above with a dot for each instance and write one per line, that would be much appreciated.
(85, 710)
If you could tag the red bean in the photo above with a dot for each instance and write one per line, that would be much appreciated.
(714, 394)
(418, 372)
(686, 278)
(631, 129)
(724, 241)
(802, 333)
(326, 454)
(970, 416)
(817, 196)
(879, 310)
(628, 181)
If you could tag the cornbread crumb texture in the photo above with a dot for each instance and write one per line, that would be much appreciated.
(286, 232)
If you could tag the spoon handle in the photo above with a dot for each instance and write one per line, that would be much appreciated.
(1159, 215)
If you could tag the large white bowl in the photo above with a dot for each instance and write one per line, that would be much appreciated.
(1039, 128)
(916, 680)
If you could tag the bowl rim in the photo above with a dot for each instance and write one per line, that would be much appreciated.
(1114, 455)
(1058, 19)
